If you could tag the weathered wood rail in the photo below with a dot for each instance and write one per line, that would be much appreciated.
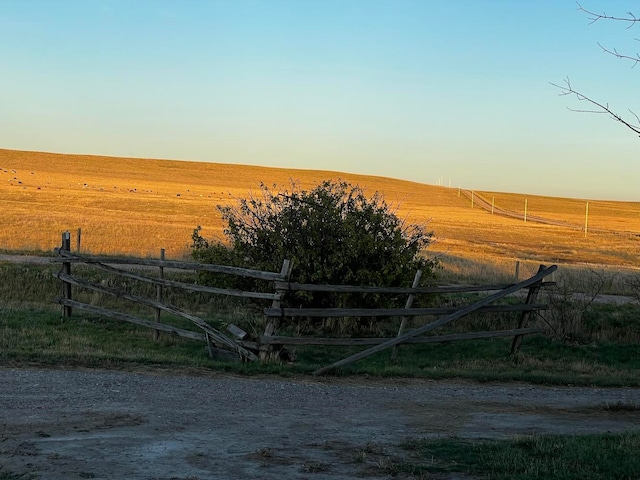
(269, 345)
(215, 339)
(534, 283)
(448, 314)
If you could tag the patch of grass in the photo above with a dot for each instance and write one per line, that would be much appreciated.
(27, 285)
(549, 457)
(613, 323)
(43, 337)
(541, 360)
(33, 331)
(16, 476)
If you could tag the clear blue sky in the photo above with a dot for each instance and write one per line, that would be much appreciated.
(419, 90)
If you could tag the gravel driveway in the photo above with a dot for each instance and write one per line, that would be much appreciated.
(72, 424)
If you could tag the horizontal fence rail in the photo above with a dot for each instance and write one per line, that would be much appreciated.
(305, 287)
(351, 342)
(184, 286)
(133, 319)
(205, 267)
(393, 312)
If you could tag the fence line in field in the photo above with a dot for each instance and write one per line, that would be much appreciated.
(268, 345)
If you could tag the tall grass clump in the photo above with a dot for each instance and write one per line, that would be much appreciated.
(549, 457)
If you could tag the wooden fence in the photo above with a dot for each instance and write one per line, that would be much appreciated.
(270, 343)
(217, 341)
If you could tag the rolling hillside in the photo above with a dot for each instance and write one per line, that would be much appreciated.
(137, 206)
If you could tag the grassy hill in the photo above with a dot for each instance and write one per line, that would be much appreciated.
(137, 206)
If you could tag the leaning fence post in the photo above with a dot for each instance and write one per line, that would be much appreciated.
(524, 317)
(156, 333)
(266, 351)
(209, 345)
(403, 323)
(66, 269)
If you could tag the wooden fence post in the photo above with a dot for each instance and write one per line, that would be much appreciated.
(403, 323)
(78, 238)
(517, 277)
(267, 352)
(156, 333)
(524, 317)
(66, 269)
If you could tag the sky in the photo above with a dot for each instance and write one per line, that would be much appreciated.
(432, 91)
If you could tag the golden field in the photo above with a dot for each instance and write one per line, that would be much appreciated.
(138, 206)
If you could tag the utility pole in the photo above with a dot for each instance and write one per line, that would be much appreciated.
(586, 219)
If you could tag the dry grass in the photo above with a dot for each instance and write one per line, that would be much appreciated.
(137, 206)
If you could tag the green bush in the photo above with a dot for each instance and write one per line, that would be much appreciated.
(333, 234)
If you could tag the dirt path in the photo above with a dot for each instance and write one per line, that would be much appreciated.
(26, 259)
(73, 424)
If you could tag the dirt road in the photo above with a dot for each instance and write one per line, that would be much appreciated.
(73, 424)
(26, 259)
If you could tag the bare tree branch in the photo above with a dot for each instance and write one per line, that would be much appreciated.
(631, 19)
(594, 17)
(615, 53)
(567, 89)
(603, 108)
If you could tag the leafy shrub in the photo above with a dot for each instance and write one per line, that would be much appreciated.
(333, 234)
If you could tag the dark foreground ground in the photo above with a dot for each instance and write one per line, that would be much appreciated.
(73, 424)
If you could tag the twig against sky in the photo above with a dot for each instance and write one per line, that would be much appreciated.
(615, 53)
(594, 17)
(630, 19)
(601, 108)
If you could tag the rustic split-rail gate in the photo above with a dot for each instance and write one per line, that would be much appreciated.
(266, 347)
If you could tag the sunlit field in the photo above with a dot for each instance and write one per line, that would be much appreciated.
(138, 206)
